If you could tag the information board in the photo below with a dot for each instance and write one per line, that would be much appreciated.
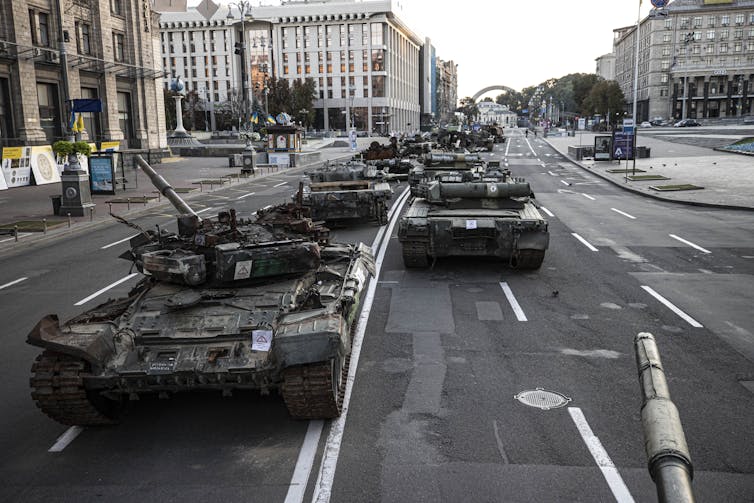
(623, 146)
(102, 174)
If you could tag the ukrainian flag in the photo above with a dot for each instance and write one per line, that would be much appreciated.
(270, 119)
(255, 118)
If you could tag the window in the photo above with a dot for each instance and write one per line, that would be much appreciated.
(365, 34)
(298, 37)
(377, 38)
(698, 22)
(666, 51)
(343, 61)
(378, 86)
(684, 22)
(307, 36)
(350, 61)
(119, 43)
(664, 78)
(724, 34)
(90, 124)
(6, 125)
(47, 96)
(711, 35)
(710, 49)
(723, 47)
(665, 64)
(328, 31)
(319, 36)
(124, 114)
(739, 19)
(378, 60)
(44, 29)
(725, 20)
(666, 37)
(738, 47)
(668, 24)
(329, 61)
(116, 7)
(343, 35)
(696, 49)
(697, 35)
(284, 38)
(365, 60)
(711, 21)
(285, 63)
(351, 34)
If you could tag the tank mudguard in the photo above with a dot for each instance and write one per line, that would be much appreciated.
(94, 346)
(301, 339)
(537, 240)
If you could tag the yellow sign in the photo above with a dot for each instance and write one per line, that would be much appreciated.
(12, 152)
(106, 145)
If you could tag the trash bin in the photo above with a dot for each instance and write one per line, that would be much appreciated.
(57, 201)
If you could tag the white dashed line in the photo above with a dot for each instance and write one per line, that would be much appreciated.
(202, 211)
(245, 195)
(703, 250)
(66, 438)
(688, 319)
(584, 241)
(598, 452)
(551, 173)
(549, 213)
(14, 282)
(588, 196)
(564, 182)
(118, 242)
(520, 316)
(278, 185)
(623, 213)
(108, 287)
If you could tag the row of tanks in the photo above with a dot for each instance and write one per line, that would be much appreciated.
(224, 304)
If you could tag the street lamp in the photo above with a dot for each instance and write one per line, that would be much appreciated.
(687, 39)
(244, 9)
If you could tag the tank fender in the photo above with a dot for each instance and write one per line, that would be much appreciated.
(533, 241)
(301, 341)
(94, 347)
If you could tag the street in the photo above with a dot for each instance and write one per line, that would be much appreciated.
(431, 410)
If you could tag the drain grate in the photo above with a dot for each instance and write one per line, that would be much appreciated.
(542, 399)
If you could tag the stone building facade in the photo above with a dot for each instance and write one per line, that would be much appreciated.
(696, 60)
(104, 50)
(447, 90)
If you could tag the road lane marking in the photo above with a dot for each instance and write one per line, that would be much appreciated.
(108, 287)
(688, 319)
(205, 209)
(549, 213)
(118, 242)
(703, 250)
(584, 242)
(499, 441)
(20, 235)
(305, 462)
(598, 452)
(278, 185)
(623, 213)
(19, 280)
(326, 476)
(564, 182)
(66, 438)
(520, 316)
(551, 173)
(588, 196)
(245, 195)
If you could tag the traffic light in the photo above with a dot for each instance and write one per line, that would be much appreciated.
(239, 48)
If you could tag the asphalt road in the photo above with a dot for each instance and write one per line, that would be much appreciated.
(432, 414)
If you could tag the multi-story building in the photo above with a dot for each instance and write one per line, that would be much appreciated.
(447, 90)
(605, 66)
(52, 51)
(364, 60)
(696, 59)
(428, 85)
(495, 113)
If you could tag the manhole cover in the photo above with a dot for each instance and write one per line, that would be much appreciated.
(542, 399)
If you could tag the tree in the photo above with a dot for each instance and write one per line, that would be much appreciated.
(279, 96)
(605, 99)
(227, 113)
(469, 109)
(302, 95)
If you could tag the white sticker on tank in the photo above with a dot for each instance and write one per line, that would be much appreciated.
(493, 187)
(261, 340)
(471, 224)
(243, 269)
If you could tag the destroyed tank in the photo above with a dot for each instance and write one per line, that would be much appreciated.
(346, 193)
(437, 162)
(225, 304)
(494, 215)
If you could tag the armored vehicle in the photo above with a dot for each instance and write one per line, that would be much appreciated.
(494, 216)
(437, 162)
(225, 304)
(347, 192)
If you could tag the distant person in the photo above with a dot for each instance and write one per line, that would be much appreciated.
(527, 133)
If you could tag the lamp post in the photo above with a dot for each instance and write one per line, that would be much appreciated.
(244, 9)
(687, 38)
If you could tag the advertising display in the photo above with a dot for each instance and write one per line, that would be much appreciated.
(16, 166)
(280, 160)
(603, 148)
(102, 174)
(623, 146)
(44, 166)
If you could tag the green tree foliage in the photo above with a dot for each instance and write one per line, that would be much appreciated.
(280, 97)
(605, 98)
(469, 109)
(303, 94)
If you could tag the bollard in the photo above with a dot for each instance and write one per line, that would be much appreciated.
(15, 232)
(664, 441)
(145, 199)
(111, 207)
(44, 226)
(128, 203)
(201, 187)
(69, 219)
(91, 213)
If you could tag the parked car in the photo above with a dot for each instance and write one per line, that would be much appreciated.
(657, 121)
(686, 123)
(749, 119)
(645, 124)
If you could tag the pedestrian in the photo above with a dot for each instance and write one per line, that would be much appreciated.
(527, 133)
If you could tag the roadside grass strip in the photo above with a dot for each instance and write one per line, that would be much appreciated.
(30, 226)
(624, 170)
(669, 188)
(184, 190)
(640, 178)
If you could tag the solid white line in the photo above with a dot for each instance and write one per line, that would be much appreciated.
(564, 182)
(689, 243)
(66, 438)
(584, 241)
(19, 280)
(549, 213)
(245, 195)
(305, 462)
(202, 211)
(613, 478)
(20, 235)
(118, 242)
(507, 146)
(108, 287)
(326, 476)
(623, 213)
(278, 185)
(588, 196)
(520, 316)
(691, 321)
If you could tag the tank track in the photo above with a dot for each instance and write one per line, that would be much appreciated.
(308, 390)
(57, 387)
(381, 211)
(415, 254)
(529, 259)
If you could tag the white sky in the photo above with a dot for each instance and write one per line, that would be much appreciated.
(516, 43)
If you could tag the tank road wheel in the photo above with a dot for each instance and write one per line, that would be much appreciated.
(415, 254)
(381, 211)
(528, 259)
(57, 387)
(315, 390)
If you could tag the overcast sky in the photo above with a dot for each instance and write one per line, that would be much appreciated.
(516, 43)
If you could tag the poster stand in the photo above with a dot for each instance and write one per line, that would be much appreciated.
(102, 173)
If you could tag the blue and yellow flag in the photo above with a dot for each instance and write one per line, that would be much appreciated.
(72, 121)
(255, 118)
(270, 119)
(79, 127)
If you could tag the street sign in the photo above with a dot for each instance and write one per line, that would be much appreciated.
(628, 126)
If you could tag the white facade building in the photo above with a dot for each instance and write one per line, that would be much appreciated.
(491, 113)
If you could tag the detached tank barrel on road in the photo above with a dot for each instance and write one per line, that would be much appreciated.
(165, 188)
(665, 443)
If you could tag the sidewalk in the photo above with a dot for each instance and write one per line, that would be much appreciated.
(34, 203)
(727, 178)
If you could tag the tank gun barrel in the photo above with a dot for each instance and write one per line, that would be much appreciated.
(667, 452)
(165, 188)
